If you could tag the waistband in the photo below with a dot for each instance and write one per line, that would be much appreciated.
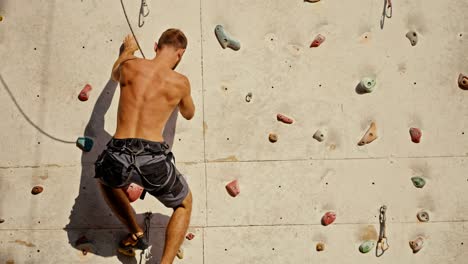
(138, 146)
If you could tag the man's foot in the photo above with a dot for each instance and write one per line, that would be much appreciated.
(133, 241)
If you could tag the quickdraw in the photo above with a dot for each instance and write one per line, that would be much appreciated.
(382, 244)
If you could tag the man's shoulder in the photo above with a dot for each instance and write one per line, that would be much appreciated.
(180, 79)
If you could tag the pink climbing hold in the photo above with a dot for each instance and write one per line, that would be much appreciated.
(233, 188)
(133, 192)
(84, 94)
(328, 218)
(319, 39)
(284, 119)
(189, 236)
(415, 134)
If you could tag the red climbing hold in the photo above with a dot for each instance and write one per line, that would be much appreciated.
(463, 82)
(189, 236)
(415, 134)
(37, 189)
(233, 188)
(328, 218)
(84, 94)
(319, 39)
(133, 192)
(284, 119)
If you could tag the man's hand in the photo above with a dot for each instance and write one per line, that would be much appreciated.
(130, 44)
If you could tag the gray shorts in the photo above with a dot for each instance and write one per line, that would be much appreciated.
(146, 163)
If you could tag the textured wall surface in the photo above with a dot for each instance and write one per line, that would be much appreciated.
(50, 49)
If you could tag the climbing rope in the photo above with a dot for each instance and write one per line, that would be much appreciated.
(130, 26)
(143, 13)
(382, 244)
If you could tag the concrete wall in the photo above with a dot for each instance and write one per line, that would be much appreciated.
(51, 49)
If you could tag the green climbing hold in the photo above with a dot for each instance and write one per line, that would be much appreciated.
(367, 84)
(418, 182)
(366, 246)
(85, 143)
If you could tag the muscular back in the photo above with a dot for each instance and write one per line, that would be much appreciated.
(149, 93)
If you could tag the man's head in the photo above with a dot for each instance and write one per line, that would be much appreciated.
(172, 41)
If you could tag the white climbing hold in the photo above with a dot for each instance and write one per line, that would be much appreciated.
(319, 135)
(225, 40)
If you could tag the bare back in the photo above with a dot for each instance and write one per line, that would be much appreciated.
(148, 95)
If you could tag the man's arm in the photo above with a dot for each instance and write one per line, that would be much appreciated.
(186, 106)
(129, 48)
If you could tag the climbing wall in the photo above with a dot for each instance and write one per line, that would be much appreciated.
(341, 147)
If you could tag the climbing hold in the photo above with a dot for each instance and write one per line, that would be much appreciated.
(418, 182)
(284, 119)
(366, 246)
(367, 84)
(370, 135)
(413, 37)
(248, 97)
(320, 246)
(319, 39)
(233, 188)
(312, 1)
(2, 220)
(273, 137)
(180, 253)
(463, 81)
(417, 244)
(37, 189)
(1, 18)
(423, 216)
(133, 191)
(415, 134)
(189, 236)
(319, 136)
(225, 40)
(328, 218)
(84, 94)
(85, 143)
(85, 245)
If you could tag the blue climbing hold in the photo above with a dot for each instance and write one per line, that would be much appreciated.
(85, 143)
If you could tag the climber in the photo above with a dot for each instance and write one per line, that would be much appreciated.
(137, 153)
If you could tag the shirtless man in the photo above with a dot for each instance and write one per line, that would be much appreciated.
(137, 153)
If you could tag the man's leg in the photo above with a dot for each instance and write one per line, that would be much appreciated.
(120, 205)
(176, 230)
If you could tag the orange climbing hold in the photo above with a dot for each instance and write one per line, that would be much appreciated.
(233, 188)
(319, 39)
(273, 137)
(328, 218)
(284, 119)
(370, 135)
(133, 192)
(320, 247)
(84, 94)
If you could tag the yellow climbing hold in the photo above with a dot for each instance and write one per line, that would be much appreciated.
(1, 18)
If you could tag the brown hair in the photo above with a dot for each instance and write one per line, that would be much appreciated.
(173, 37)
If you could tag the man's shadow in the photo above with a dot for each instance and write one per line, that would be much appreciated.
(90, 216)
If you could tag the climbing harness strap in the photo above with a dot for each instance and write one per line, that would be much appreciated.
(131, 29)
(382, 244)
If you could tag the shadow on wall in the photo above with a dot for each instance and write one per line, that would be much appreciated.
(90, 216)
